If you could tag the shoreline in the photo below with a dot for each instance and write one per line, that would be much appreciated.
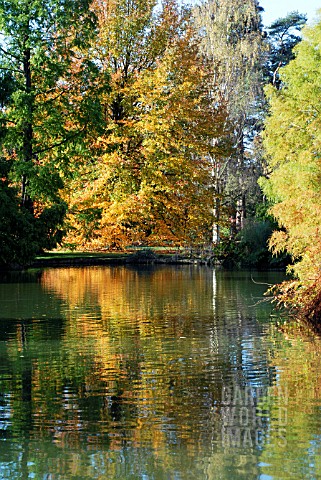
(138, 257)
(55, 260)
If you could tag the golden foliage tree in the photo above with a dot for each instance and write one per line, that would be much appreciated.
(150, 180)
(293, 142)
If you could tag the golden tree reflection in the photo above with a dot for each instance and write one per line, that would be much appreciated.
(132, 364)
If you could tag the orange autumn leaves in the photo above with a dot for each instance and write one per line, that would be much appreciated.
(149, 179)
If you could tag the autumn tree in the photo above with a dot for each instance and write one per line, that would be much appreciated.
(231, 37)
(293, 143)
(45, 106)
(151, 180)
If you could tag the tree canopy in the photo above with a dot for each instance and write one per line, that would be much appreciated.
(128, 122)
(231, 38)
(45, 106)
(150, 180)
(293, 144)
(283, 35)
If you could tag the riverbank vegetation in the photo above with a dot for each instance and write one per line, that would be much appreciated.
(134, 123)
(292, 142)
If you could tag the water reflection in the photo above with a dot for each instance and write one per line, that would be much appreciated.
(169, 372)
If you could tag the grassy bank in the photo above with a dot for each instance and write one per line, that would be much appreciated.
(144, 256)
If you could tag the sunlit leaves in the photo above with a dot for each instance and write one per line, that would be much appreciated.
(293, 142)
(151, 178)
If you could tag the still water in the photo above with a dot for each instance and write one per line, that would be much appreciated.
(153, 373)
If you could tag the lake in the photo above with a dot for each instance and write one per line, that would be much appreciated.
(152, 373)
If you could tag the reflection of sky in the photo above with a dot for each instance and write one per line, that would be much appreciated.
(5, 412)
(265, 477)
(255, 370)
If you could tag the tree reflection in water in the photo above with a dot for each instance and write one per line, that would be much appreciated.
(123, 373)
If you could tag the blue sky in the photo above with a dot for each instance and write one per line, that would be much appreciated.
(279, 8)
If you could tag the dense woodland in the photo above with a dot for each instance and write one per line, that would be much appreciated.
(130, 122)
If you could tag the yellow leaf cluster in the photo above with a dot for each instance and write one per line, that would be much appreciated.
(151, 178)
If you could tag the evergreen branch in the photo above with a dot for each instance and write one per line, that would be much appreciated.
(62, 142)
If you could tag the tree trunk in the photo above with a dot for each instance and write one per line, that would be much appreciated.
(216, 234)
(217, 213)
(240, 213)
(26, 201)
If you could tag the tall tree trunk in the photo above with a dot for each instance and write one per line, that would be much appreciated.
(26, 201)
(240, 199)
(216, 213)
(240, 213)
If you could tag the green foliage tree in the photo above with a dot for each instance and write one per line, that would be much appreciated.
(293, 143)
(17, 239)
(47, 102)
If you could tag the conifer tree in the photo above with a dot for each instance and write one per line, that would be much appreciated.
(283, 36)
(293, 145)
